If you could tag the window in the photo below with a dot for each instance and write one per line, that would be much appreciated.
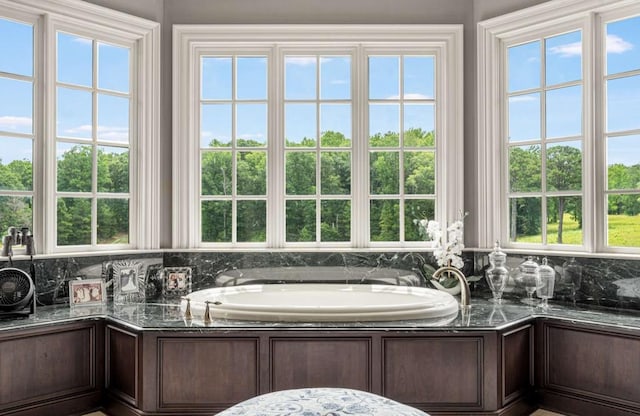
(17, 127)
(565, 133)
(79, 123)
(322, 136)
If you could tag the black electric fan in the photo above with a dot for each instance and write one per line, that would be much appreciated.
(16, 293)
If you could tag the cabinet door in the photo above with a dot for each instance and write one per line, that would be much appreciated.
(590, 371)
(434, 372)
(206, 373)
(320, 362)
(39, 366)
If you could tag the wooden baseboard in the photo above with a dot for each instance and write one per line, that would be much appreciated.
(582, 405)
(78, 404)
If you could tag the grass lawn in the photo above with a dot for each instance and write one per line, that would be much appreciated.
(624, 231)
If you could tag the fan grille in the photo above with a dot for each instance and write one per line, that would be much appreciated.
(15, 287)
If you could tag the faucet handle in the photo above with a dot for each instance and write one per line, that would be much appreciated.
(187, 310)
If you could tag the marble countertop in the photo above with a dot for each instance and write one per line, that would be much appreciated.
(482, 316)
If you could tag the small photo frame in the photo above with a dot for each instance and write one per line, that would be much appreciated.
(128, 282)
(176, 281)
(87, 292)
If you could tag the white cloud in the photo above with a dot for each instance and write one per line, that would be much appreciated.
(339, 82)
(110, 133)
(615, 44)
(13, 122)
(409, 96)
(567, 50)
(83, 41)
(301, 60)
(522, 98)
(252, 136)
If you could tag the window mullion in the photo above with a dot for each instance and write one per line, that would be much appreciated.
(360, 120)
(276, 212)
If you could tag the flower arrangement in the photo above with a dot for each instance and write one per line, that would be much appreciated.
(451, 252)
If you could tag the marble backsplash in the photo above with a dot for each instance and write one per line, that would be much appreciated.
(611, 283)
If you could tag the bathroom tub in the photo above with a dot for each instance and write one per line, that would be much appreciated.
(311, 302)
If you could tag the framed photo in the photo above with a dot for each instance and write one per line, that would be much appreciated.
(87, 292)
(176, 281)
(128, 282)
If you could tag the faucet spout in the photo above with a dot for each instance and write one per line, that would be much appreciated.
(465, 293)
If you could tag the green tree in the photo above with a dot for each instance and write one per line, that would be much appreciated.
(564, 173)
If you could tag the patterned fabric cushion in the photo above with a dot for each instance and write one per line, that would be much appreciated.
(321, 402)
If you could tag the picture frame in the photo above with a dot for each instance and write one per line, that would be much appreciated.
(128, 282)
(87, 292)
(176, 281)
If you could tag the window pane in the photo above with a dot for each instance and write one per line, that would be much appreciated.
(15, 211)
(623, 100)
(300, 125)
(335, 125)
(384, 77)
(251, 125)
(524, 117)
(251, 83)
(335, 173)
(623, 221)
(384, 125)
(524, 66)
(564, 112)
(113, 169)
(216, 78)
(419, 125)
(16, 106)
(414, 211)
(75, 60)
(301, 173)
(384, 177)
(16, 41)
(216, 173)
(301, 221)
(623, 41)
(525, 220)
(74, 221)
(113, 221)
(252, 221)
(335, 78)
(300, 77)
(113, 118)
(74, 168)
(525, 169)
(16, 165)
(336, 220)
(623, 160)
(384, 220)
(216, 221)
(564, 220)
(563, 58)
(252, 173)
(113, 67)
(564, 166)
(74, 113)
(215, 125)
(418, 77)
(420, 172)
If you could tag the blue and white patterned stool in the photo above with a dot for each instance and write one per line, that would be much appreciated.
(321, 402)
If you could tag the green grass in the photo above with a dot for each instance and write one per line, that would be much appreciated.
(624, 231)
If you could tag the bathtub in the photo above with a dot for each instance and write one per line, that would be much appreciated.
(324, 302)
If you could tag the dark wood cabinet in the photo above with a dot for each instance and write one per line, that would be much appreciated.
(442, 372)
(55, 370)
(588, 370)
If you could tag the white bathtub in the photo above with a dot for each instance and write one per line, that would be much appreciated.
(309, 302)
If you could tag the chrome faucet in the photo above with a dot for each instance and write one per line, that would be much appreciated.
(465, 293)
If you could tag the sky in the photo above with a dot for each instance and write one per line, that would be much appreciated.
(563, 64)
(324, 80)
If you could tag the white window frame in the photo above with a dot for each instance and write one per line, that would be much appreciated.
(190, 41)
(102, 23)
(493, 37)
